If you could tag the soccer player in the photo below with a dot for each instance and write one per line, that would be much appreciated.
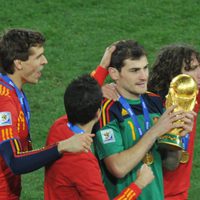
(171, 61)
(22, 61)
(78, 176)
(130, 126)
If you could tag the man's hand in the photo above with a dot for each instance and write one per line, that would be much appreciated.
(110, 92)
(105, 61)
(170, 120)
(76, 143)
(188, 122)
(144, 176)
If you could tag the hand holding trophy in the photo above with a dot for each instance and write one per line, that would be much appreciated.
(182, 93)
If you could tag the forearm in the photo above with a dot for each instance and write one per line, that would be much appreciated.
(24, 162)
(131, 156)
(100, 74)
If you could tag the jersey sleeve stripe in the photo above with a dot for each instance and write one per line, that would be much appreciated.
(107, 112)
(128, 194)
(105, 117)
(24, 162)
(14, 143)
(7, 133)
(19, 153)
(104, 112)
(11, 133)
(3, 134)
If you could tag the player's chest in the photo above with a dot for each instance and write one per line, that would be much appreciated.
(130, 132)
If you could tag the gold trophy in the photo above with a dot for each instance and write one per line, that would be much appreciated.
(182, 92)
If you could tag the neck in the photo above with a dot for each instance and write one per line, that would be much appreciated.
(16, 80)
(127, 94)
(87, 127)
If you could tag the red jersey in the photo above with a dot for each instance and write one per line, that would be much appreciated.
(12, 125)
(77, 176)
(177, 182)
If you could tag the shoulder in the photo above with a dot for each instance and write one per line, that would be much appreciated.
(5, 89)
(110, 106)
(59, 131)
(8, 98)
(153, 95)
(154, 101)
(111, 110)
(61, 121)
(5, 84)
(107, 104)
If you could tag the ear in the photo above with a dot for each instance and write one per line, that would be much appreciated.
(18, 64)
(114, 73)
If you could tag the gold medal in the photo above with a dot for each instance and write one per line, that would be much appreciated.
(184, 157)
(148, 158)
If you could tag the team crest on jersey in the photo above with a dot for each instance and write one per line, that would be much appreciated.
(5, 119)
(107, 136)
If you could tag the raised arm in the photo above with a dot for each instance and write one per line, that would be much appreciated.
(101, 72)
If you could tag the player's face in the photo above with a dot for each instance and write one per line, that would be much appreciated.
(31, 68)
(132, 80)
(194, 70)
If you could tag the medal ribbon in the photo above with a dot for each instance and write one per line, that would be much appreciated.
(185, 141)
(22, 99)
(128, 108)
(75, 129)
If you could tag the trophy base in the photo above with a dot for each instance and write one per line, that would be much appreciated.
(170, 141)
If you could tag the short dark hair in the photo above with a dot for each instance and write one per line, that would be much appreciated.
(168, 64)
(15, 44)
(126, 49)
(82, 99)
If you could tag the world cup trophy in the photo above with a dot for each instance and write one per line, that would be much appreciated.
(182, 92)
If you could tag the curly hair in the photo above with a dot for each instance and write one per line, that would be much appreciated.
(168, 64)
(126, 49)
(15, 44)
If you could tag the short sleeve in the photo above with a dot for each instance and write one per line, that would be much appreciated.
(108, 140)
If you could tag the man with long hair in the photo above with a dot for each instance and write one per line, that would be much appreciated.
(171, 61)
